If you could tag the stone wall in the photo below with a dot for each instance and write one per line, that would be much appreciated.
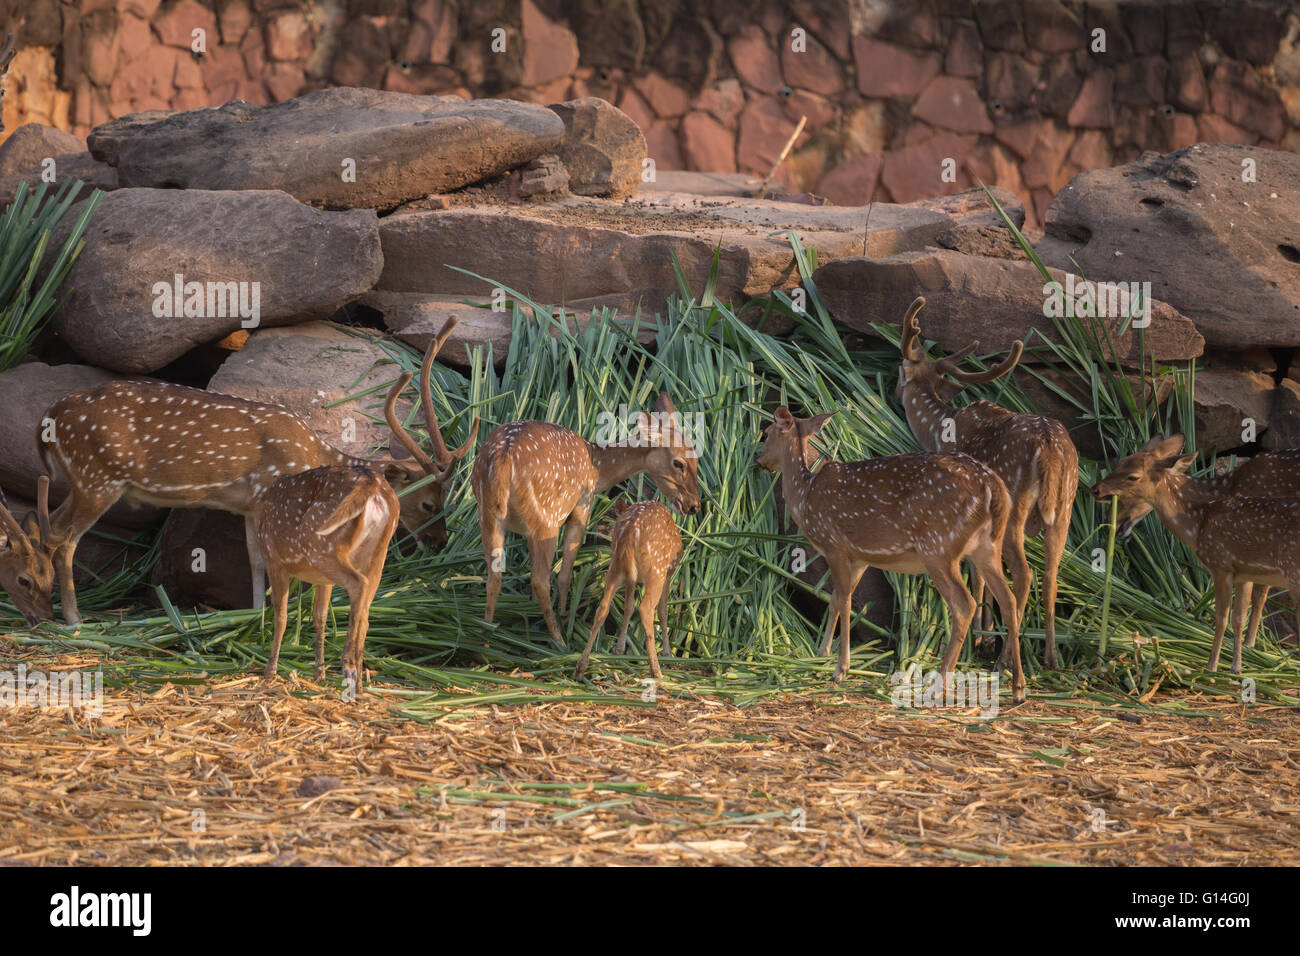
(1014, 93)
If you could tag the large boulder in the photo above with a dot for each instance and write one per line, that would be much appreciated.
(26, 391)
(315, 369)
(67, 167)
(1227, 401)
(603, 148)
(293, 262)
(106, 140)
(31, 144)
(973, 297)
(1220, 249)
(401, 146)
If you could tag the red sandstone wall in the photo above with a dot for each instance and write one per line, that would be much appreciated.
(1010, 91)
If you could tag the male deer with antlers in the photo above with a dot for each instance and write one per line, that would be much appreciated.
(913, 514)
(1243, 539)
(328, 526)
(1033, 455)
(180, 447)
(7, 54)
(534, 478)
(645, 547)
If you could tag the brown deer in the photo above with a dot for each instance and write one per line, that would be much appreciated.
(7, 54)
(25, 569)
(645, 547)
(534, 478)
(1033, 455)
(1245, 530)
(180, 447)
(327, 526)
(915, 513)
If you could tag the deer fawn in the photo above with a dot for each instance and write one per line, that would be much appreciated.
(7, 54)
(534, 477)
(182, 447)
(1270, 474)
(327, 526)
(915, 513)
(1242, 540)
(645, 547)
(25, 569)
(1033, 455)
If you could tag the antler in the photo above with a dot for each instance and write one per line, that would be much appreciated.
(426, 396)
(43, 509)
(912, 331)
(948, 366)
(15, 531)
(390, 413)
(7, 53)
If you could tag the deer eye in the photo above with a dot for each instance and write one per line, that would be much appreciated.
(1130, 477)
(24, 581)
(679, 464)
(426, 506)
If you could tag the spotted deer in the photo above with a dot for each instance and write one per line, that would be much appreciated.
(179, 447)
(534, 478)
(327, 526)
(1033, 456)
(26, 573)
(1243, 526)
(918, 513)
(645, 546)
(7, 54)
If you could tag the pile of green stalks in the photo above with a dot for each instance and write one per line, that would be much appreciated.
(1140, 620)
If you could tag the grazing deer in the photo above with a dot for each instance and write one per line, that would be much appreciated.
(1033, 455)
(7, 54)
(1270, 474)
(645, 547)
(534, 478)
(180, 447)
(1243, 539)
(327, 526)
(913, 514)
(25, 569)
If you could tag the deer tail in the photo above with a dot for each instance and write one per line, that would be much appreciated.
(349, 508)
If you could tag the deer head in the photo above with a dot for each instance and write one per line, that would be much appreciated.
(25, 569)
(672, 461)
(7, 53)
(786, 440)
(1137, 479)
(942, 376)
(422, 508)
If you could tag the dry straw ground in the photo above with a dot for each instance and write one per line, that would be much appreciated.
(287, 774)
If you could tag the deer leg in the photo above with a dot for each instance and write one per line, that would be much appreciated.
(575, 528)
(663, 620)
(845, 584)
(1258, 598)
(1054, 541)
(649, 601)
(360, 593)
(832, 618)
(602, 612)
(280, 598)
(947, 580)
(985, 612)
(494, 553)
(256, 563)
(542, 551)
(1239, 622)
(320, 610)
(1222, 602)
(988, 556)
(80, 514)
(1022, 578)
(629, 602)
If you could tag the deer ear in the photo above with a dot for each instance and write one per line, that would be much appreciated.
(1165, 447)
(783, 418)
(948, 389)
(32, 526)
(1180, 465)
(643, 426)
(813, 425)
(620, 506)
(396, 474)
(664, 403)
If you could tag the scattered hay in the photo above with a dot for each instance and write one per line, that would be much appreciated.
(238, 772)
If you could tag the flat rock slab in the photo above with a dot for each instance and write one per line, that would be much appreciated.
(1224, 252)
(67, 166)
(306, 264)
(416, 318)
(973, 297)
(311, 366)
(26, 391)
(402, 146)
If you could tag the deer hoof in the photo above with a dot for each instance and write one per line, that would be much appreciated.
(318, 674)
